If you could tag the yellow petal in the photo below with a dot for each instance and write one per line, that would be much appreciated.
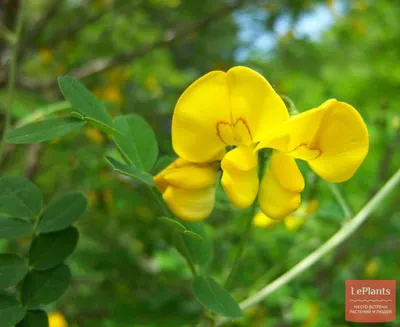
(263, 221)
(220, 109)
(255, 103)
(240, 176)
(332, 138)
(343, 140)
(278, 196)
(293, 223)
(192, 177)
(197, 113)
(190, 205)
(57, 319)
(185, 174)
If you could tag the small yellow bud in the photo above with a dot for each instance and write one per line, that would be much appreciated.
(293, 223)
(46, 56)
(57, 319)
(263, 221)
(94, 135)
(372, 268)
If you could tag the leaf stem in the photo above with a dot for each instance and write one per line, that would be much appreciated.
(43, 112)
(246, 234)
(166, 212)
(180, 242)
(339, 237)
(289, 104)
(12, 76)
(341, 200)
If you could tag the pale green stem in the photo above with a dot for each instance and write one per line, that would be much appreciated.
(346, 231)
(181, 243)
(341, 200)
(246, 234)
(289, 104)
(43, 112)
(12, 72)
(165, 211)
(6, 34)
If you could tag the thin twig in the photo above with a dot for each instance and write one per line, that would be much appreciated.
(246, 234)
(341, 200)
(37, 29)
(102, 64)
(12, 76)
(347, 230)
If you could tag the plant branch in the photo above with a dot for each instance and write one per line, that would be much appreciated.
(32, 36)
(341, 200)
(12, 73)
(102, 64)
(43, 112)
(246, 233)
(347, 230)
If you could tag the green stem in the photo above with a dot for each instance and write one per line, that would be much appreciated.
(12, 76)
(341, 200)
(180, 242)
(246, 234)
(338, 238)
(289, 104)
(43, 112)
(166, 212)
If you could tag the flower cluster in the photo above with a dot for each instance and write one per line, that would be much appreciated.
(226, 118)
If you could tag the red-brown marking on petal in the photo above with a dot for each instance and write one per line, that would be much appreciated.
(217, 127)
(245, 124)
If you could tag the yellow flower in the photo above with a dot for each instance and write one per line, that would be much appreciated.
(263, 221)
(94, 135)
(236, 108)
(240, 109)
(57, 319)
(46, 56)
(188, 188)
(293, 223)
(312, 206)
(332, 138)
(372, 268)
(112, 94)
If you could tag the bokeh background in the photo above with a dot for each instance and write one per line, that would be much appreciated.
(138, 56)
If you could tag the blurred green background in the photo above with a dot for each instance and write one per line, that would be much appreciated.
(139, 56)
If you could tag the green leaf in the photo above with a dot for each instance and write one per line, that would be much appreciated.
(43, 130)
(44, 287)
(62, 212)
(137, 140)
(51, 249)
(101, 126)
(200, 252)
(162, 163)
(11, 228)
(131, 171)
(85, 103)
(214, 297)
(34, 318)
(19, 197)
(175, 225)
(193, 235)
(12, 270)
(11, 311)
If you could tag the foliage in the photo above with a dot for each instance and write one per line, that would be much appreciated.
(125, 271)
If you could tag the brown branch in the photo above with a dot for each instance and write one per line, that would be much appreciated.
(100, 65)
(32, 162)
(31, 37)
(71, 30)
